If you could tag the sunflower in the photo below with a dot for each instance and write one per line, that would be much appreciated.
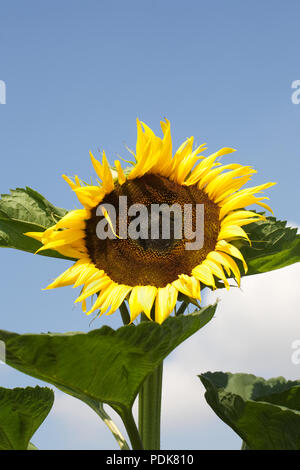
(150, 273)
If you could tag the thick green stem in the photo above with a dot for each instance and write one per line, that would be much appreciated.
(124, 313)
(127, 416)
(150, 405)
(181, 309)
(132, 431)
(150, 409)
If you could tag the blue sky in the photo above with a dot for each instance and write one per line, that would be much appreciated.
(77, 76)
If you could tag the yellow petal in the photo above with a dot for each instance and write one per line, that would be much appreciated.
(73, 219)
(232, 231)
(208, 175)
(141, 142)
(242, 215)
(121, 176)
(134, 304)
(188, 285)
(237, 202)
(206, 164)
(183, 151)
(95, 287)
(186, 164)
(204, 275)
(217, 270)
(70, 251)
(227, 262)
(111, 297)
(67, 235)
(69, 276)
(167, 141)
(141, 300)
(102, 298)
(231, 250)
(258, 189)
(97, 166)
(88, 273)
(117, 297)
(220, 184)
(90, 196)
(108, 182)
(71, 183)
(62, 238)
(165, 302)
(36, 235)
(104, 172)
(231, 188)
(146, 297)
(265, 206)
(144, 163)
(244, 198)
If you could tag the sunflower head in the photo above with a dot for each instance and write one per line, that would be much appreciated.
(163, 227)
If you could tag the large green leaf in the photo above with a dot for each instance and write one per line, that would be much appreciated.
(273, 246)
(104, 365)
(264, 413)
(25, 210)
(22, 411)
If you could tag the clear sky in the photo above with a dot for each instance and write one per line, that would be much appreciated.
(77, 75)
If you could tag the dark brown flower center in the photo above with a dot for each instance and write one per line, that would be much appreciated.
(148, 260)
